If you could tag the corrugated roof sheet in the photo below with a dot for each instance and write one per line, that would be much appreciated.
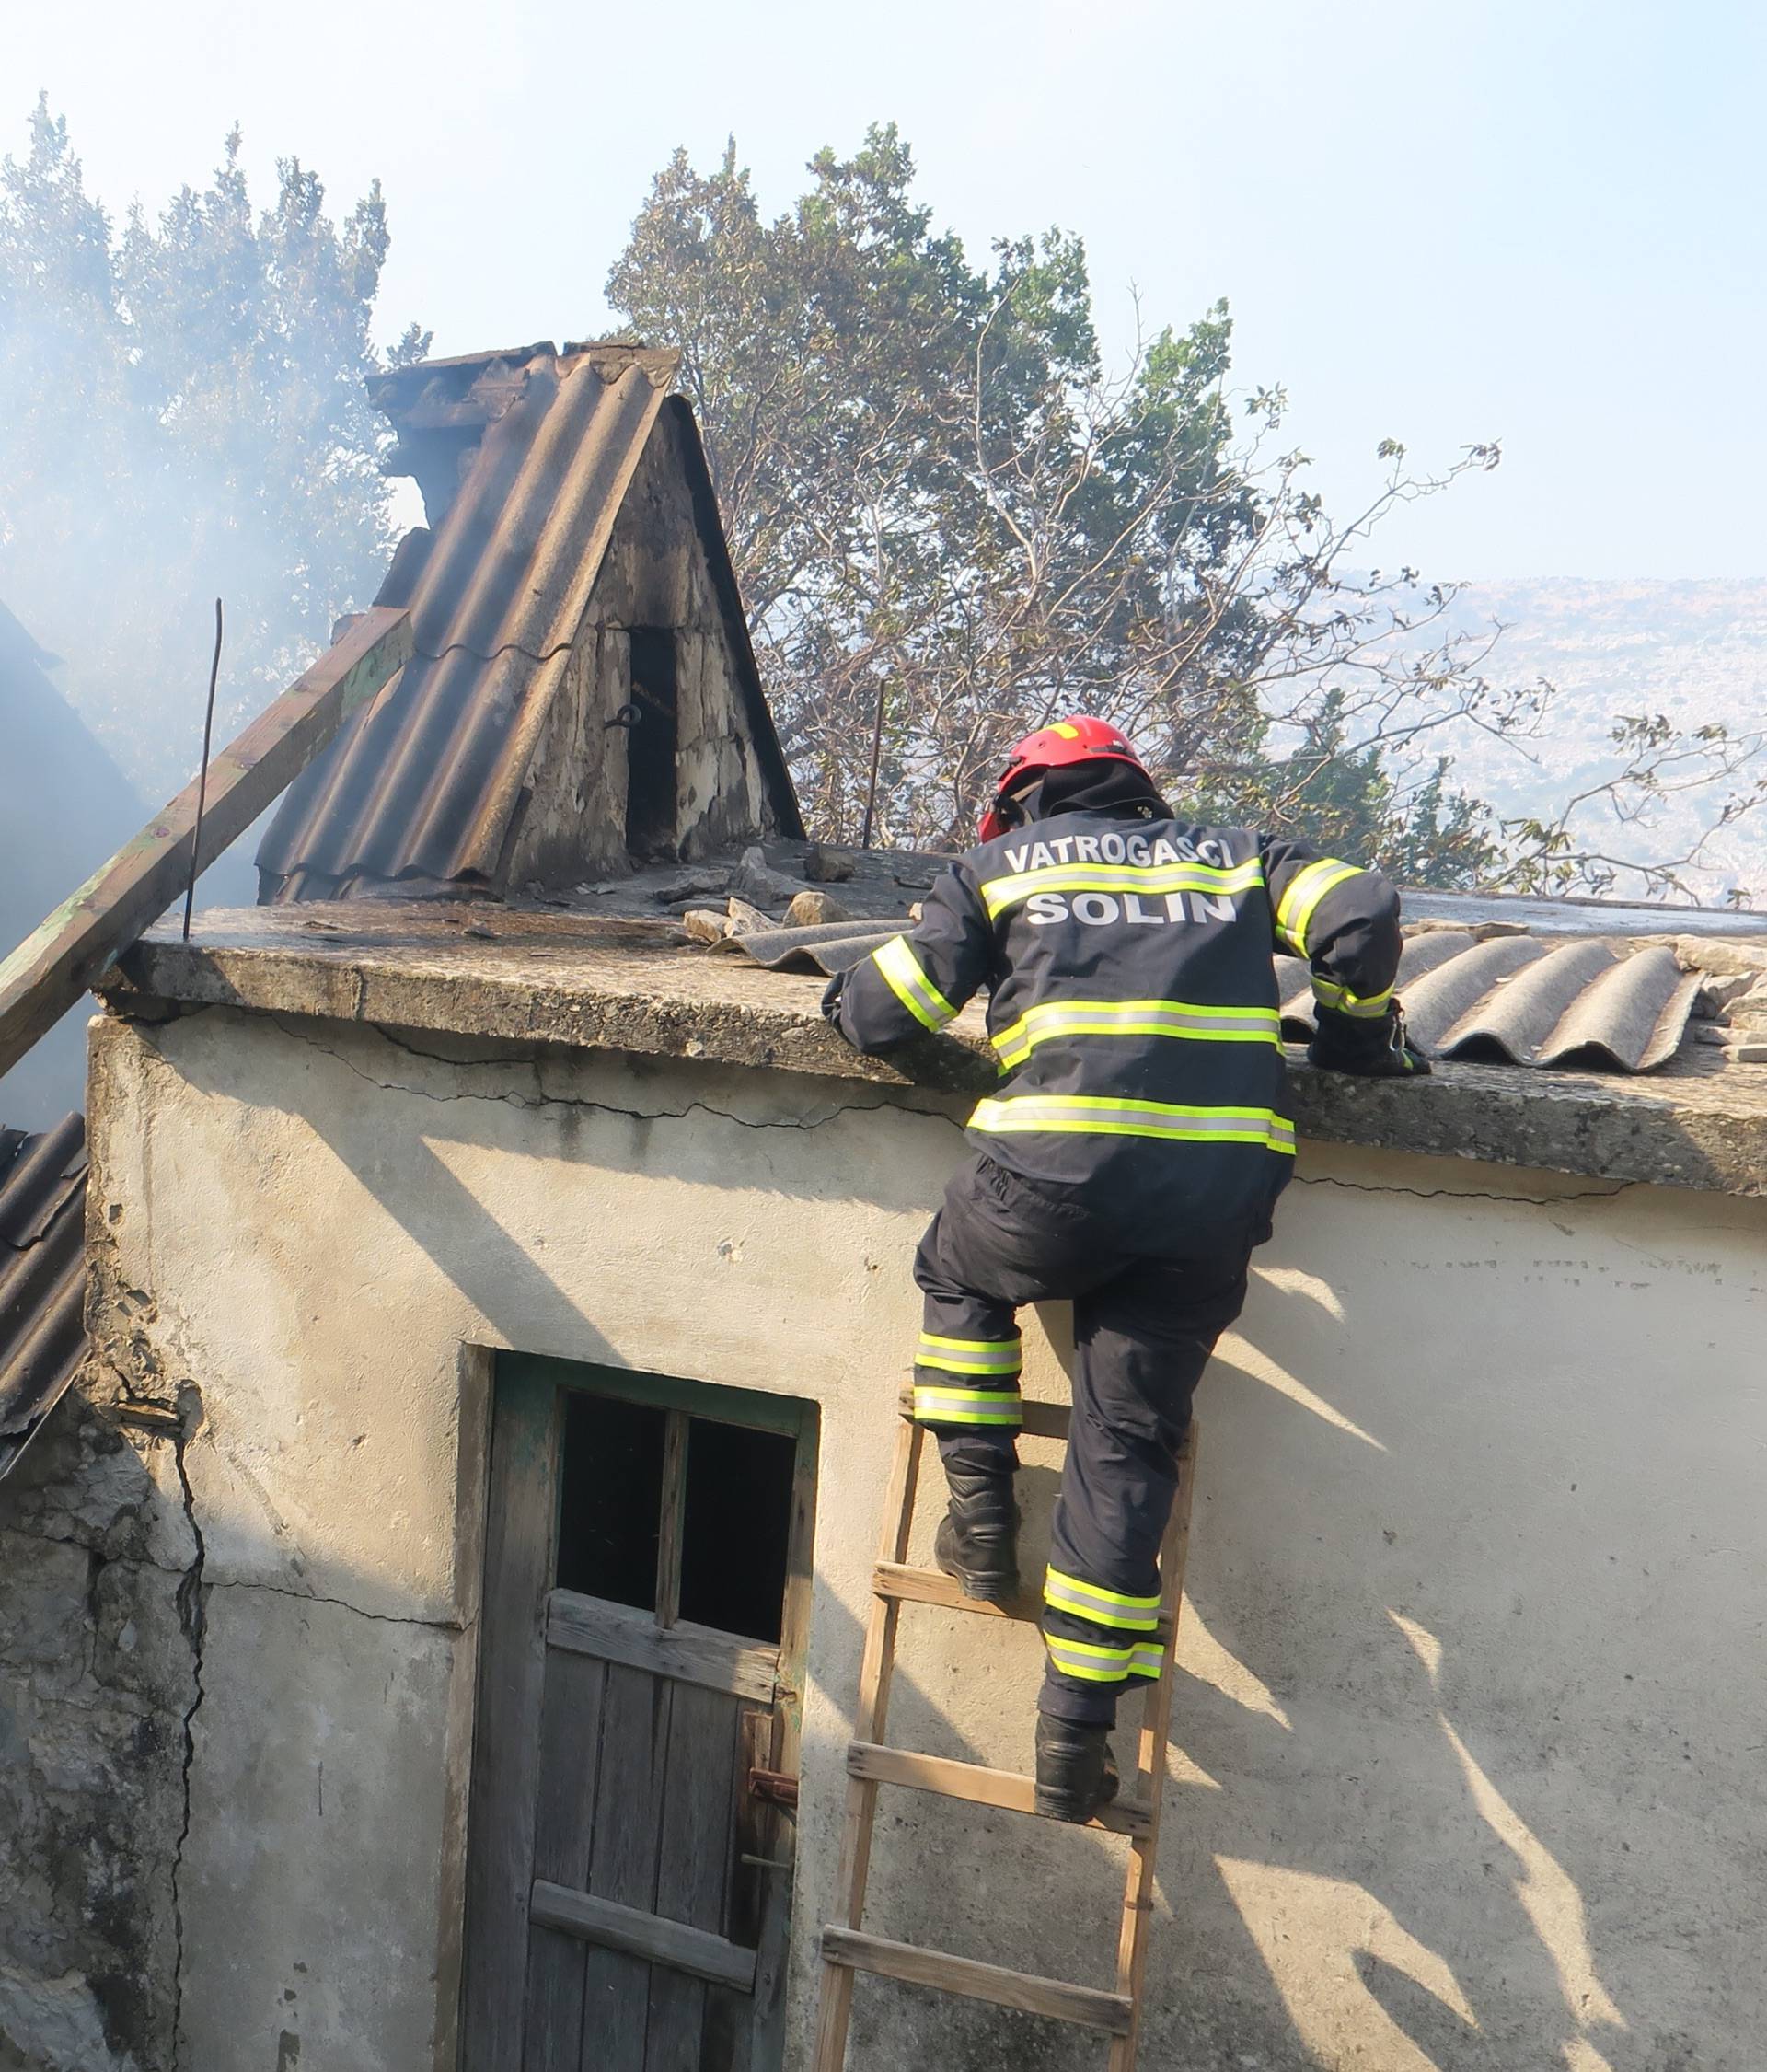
(424, 784)
(1586, 1003)
(42, 1276)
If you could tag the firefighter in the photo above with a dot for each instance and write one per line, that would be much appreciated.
(1129, 1163)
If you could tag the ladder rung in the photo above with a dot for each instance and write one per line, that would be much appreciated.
(1083, 2003)
(933, 1586)
(1004, 1788)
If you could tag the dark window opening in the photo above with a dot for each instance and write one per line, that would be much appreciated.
(650, 742)
(632, 1473)
(612, 1499)
(737, 1528)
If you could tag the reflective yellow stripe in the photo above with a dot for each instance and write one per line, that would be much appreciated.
(1100, 1116)
(1101, 1665)
(1180, 1018)
(1103, 1607)
(998, 894)
(1347, 1002)
(909, 983)
(967, 1406)
(1309, 886)
(1092, 1665)
(970, 1356)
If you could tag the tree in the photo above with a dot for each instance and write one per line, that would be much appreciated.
(945, 511)
(186, 417)
(948, 515)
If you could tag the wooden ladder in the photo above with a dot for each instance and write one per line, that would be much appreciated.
(846, 1949)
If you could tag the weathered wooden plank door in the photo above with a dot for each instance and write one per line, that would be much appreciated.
(631, 1832)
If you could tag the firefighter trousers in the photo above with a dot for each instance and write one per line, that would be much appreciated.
(1145, 1325)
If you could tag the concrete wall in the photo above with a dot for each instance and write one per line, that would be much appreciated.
(1467, 1766)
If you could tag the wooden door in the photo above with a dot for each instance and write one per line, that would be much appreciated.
(631, 1828)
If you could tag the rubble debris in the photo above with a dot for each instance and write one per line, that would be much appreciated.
(705, 924)
(743, 916)
(1716, 993)
(1720, 959)
(827, 866)
(755, 879)
(816, 909)
(698, 883)
(1751, 1000)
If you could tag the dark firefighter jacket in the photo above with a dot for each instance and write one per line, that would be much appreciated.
(1134, 1006)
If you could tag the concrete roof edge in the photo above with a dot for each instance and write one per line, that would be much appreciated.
(631, 986)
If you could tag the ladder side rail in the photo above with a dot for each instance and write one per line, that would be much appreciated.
(876, 1669)
(1152, 1743)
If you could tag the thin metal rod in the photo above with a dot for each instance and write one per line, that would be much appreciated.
(877, 753)
(202, 775)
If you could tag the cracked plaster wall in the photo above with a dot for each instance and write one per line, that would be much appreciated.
(1463, 1770)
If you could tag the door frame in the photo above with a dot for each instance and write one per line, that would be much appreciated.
(524, 1497)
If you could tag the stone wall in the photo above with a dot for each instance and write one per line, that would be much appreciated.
(101, 1610)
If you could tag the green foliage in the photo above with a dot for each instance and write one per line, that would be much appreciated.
(945, 507)
(1346, 800)
(186, 418)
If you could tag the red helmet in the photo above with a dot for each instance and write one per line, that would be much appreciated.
(1067, 741)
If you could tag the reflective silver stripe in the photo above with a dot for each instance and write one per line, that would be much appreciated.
(1103, 1607)
(1303, 894)
(1094, 1115)
(967, 1406)
(970, 1356)
(999, 894)
(1091, 1666)
(1345, 1002)
(1136, 1017)
(903, 974)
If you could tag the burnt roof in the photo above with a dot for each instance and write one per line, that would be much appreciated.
(425, 787)
(42, 1276)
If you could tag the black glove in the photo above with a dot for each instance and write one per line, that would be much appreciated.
(1375, 1047)
(831, 997)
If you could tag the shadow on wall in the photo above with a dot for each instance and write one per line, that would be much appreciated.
(1330, 1895)
(1405, 1908)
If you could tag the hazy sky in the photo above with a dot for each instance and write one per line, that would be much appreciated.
(1540, 222)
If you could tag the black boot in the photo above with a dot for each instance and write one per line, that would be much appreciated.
(978, 1540)
(1076, 1773)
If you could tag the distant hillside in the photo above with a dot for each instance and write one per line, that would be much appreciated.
(1694, 650)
